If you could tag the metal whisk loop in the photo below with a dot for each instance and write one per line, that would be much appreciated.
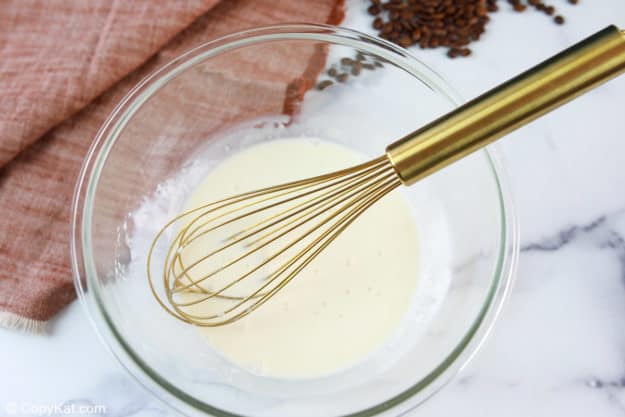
(229, 257)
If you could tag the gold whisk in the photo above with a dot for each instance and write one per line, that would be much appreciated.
(233, 255)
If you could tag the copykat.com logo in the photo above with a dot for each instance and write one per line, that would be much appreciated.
(25, 408)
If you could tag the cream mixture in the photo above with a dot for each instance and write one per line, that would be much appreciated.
(343, 306)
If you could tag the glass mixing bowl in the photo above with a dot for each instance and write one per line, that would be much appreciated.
(255, 86)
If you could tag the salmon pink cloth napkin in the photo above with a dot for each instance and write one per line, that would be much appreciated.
(64, 64)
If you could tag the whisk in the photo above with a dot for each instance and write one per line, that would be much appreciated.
(227, 258)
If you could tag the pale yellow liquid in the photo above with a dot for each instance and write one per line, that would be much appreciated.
(348, 301)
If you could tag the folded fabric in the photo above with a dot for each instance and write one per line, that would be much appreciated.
(55, 58)
(59, 55)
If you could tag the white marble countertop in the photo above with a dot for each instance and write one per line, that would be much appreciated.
(559, 347)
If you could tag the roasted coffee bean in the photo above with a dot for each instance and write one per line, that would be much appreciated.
(324, 84)
(374, 9)
(347, 61)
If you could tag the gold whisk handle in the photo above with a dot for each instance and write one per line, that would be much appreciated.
(510, 105)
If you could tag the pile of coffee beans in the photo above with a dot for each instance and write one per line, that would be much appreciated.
(452, 24)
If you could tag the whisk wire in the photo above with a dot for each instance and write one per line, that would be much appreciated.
(267, 260)
(308, 216)
(284, 201)
(291, 187)
(329, 197)
(323, 241)
(328, 202)
(284, 233)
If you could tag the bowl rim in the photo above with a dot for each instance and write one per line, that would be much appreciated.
(84, 271)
